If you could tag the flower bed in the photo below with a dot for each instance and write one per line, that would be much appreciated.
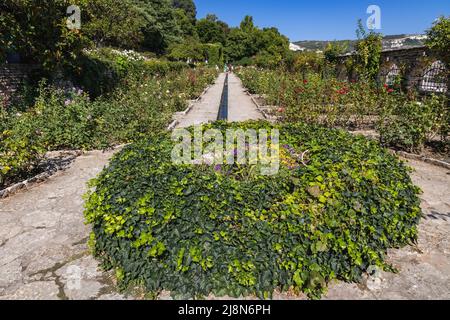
(227, 230)
(403, 121)
(69, 119)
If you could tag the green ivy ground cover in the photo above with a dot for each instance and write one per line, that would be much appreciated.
(227, 230)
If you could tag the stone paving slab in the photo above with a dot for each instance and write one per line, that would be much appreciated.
(207, 108)
(240, 104)
(43, 251)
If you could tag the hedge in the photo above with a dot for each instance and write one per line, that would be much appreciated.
(100, 71)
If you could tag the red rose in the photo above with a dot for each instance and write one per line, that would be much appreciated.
(390, 90)
(305, 81)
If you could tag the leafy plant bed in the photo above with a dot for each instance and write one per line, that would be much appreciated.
(196, 230)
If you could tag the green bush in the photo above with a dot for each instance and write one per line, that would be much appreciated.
(70, 119)
(20, 149)
(227, 230)
(214, 54)
(409, 125)
(101, 71)
(403, 121)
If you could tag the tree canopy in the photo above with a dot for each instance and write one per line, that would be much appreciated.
(37, 30)
(439, 38)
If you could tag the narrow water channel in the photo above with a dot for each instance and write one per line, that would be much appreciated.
(223, 107)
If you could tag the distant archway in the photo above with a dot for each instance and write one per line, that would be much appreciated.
(434, 78)
(392, 75)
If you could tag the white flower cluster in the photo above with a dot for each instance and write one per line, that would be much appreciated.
(129, 54)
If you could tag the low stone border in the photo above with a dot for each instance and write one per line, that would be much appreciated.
(173, 125)
(64, 157)
(264, 113)
(51, 169)
(419, 157)
(261, 109)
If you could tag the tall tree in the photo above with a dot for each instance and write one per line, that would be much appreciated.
(439, 39)
(112, 23)
(188, 6)
(247, 25)
(161, 27)
(211, 30)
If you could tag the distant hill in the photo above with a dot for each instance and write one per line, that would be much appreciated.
(389, 42)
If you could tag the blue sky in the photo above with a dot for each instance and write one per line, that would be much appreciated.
(327, 19)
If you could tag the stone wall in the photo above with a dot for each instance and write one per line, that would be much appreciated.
(416, 68)
(11, 78)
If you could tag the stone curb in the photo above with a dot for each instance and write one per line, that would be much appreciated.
(43, 176)
(263, 112)
(418, 157)
(261, 109)
(39, 177)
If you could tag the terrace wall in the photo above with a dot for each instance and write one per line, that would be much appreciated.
(416, 67)
(12, 75)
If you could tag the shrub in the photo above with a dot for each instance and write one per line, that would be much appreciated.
(311, 98)
(403, 121)
(66, 119)
(409, 125)
(438, 39)
(38, 32)
(70, 119)
(226, 230)
(101, 71)
(20, 149)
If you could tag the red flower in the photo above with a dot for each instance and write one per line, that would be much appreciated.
(386, 85)
(390, 90)
(281, 110)
(305, 81)
(343, 91)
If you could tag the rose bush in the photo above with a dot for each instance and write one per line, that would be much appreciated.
(403, 121)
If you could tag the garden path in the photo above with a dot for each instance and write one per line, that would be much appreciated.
(240, 105)
(43, 239)
(206, 108)
(43, 251)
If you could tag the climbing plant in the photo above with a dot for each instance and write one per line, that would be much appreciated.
(368, 53)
